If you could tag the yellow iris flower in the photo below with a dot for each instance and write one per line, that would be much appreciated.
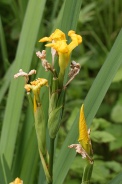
(63, 49)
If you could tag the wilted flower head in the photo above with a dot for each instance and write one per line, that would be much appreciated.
(21, 73)
(36, 85)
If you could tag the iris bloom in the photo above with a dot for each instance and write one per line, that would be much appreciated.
(63, 49)
(35, 86)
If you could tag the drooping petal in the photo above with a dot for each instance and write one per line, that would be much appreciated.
(45, 39)
(76, 40)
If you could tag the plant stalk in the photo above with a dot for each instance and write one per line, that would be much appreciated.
(87, 173)
(48, 177)
(52, 141)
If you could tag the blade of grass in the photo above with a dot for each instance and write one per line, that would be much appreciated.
(92, 103)
(8, 176)
(3, 46)
(6, 82)
(65, 156)
(30, 161)
(23, 60)
(70, 15)
(23, 141)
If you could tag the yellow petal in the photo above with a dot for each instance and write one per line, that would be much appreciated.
(58, 35)
(74, 36)
(40, 82)
(59, 46)
(76, 40)
(27, 87)
(36, 85)
(83, 132)
(45, 39)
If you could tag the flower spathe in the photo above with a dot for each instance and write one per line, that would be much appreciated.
(83, 132)
(84, 148)
(63, 49)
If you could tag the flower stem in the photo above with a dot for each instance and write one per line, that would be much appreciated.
(87, 173)
(52, 141)
(48, 177)
(61, 78)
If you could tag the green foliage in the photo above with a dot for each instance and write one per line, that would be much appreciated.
(99, 24)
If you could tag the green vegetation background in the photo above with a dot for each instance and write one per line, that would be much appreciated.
(99, 23)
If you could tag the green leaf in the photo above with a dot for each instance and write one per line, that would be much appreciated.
(3, 46)
(87, 13)
(2, 174)
(30, 160)
(99, 123)
(100, 172)
(6, 82)
(117, 179)
(102, 136)
(113, 165)
(70, 15)
(65, 156)
(116, 131)
(5, 173)
(118, 76)
(116, 114)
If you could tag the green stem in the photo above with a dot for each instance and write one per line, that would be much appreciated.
(87, 173)
(61, 78)
(30, 99)
(52, 141)
(48, 177)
